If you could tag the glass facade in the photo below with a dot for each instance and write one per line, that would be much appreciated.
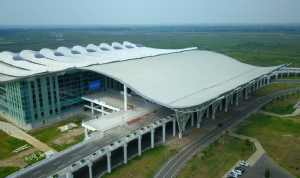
(51, 95)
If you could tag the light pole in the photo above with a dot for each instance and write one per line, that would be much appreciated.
(270, 167)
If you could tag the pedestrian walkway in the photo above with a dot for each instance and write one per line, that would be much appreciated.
(252, 160)
(295, 113)
(17, 133)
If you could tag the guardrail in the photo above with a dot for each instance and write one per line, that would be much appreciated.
(47, 160)
(113, 146)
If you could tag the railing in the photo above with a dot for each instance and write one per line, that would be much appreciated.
(47, 160)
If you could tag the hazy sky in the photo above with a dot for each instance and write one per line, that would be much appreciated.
(69, 12)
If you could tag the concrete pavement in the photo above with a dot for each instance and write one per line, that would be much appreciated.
(18, 133)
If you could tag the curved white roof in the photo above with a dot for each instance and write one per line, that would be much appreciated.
(185, 79)
(31, 57)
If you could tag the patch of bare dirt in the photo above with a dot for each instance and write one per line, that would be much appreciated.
(17, 160)
(69, 136)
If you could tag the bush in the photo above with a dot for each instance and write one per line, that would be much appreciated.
(247, 142)
(82, 160)
(243, 148)
(202, 158)
(55, 175)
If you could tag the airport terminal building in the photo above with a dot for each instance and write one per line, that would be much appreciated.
(38, 88)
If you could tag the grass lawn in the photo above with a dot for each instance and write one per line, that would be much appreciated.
(5, 171)
(218, 158)
(274, 87)
(142, 166)
(8, 144)
(48, 134)
(284, 104)
(278, 136)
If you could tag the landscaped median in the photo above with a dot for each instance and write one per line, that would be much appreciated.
(58, 140)
(145, 165)
(218, 158)
(278, 136)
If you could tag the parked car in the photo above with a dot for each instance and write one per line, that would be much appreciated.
(220, 124)
(241, 169)
(236, 172)
(233, 175)
(243, 163)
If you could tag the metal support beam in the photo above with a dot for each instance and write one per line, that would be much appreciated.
(164, 132)
(199, 117)
(182, 118)
(125, 97)
(140, 145)
(207, 112)
(214, 107)
(174, 127)
(192, 119)
(108, 162)
(125, 153)
(90, 169)
(152, 138)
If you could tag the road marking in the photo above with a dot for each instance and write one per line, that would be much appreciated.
(94, 148)
(56, 163)
(41, 175)
(78, 157)
(74, 154)
(61, 165)
(36, 172)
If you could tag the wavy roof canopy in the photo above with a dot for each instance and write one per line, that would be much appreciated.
(184, 79)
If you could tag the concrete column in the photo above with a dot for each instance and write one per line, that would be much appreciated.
(237, 99)
(213, 116)
(260, 83)
(253, 87)
(268, 81)
(90, 169)
(92, 108)
(281, 74)
(198, 124)
(288, 74)
(192, 119)
(125, 97)
(276, 75)
(152, 138)
(232, 99)
(125, 153)
(164, 132)
(69, 175)
(295, 74)
(108, 162)
(174, 127)
(102, 108)
(246, 93)
(207, 112)
(140, 145)
(221, 105)
(257, 85)
(86, 133)
(180, 135)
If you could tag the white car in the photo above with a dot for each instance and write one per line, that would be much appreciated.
(233, 175)
(243, 163)
(236, 172)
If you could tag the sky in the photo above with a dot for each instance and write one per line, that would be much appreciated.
(143, 12)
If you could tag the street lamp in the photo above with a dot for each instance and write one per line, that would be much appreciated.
(270, 167)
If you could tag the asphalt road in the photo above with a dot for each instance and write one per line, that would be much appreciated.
(258, 169)
(174, 165)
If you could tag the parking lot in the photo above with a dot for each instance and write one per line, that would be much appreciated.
(258, 169)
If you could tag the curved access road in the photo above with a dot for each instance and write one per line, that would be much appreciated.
(175, 164)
